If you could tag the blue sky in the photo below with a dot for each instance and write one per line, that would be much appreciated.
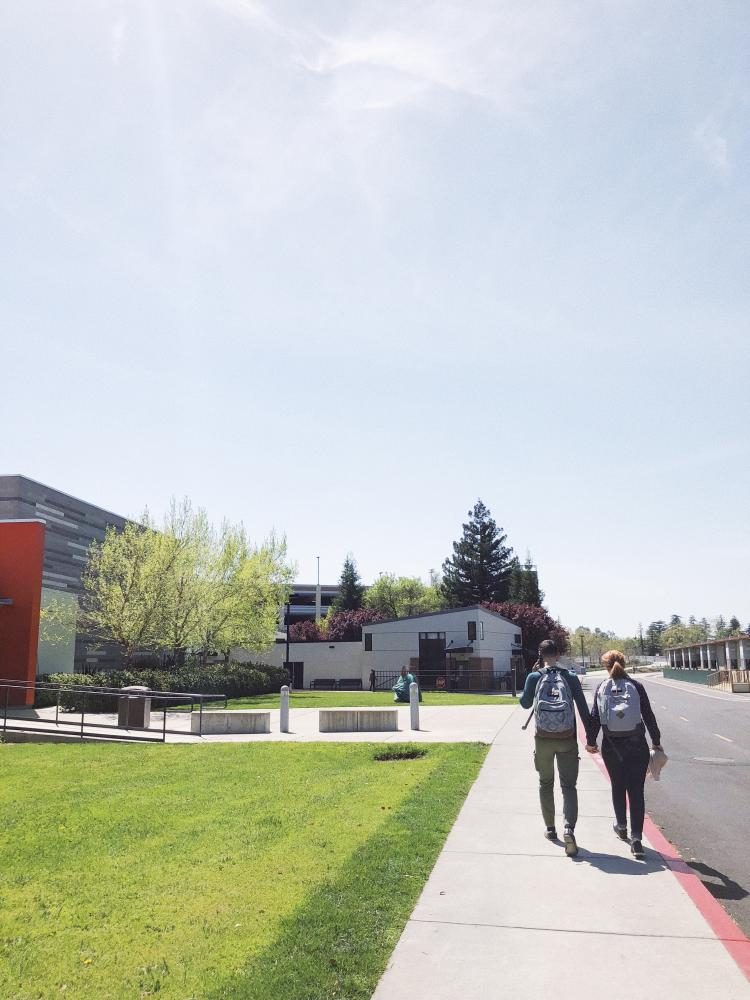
(340, 269)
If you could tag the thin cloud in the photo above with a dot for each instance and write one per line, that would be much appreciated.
(714, 147)
(117, 39)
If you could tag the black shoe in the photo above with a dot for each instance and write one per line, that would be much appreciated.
(571, 848)
(636, 848)
(550, 833)
(620, 831)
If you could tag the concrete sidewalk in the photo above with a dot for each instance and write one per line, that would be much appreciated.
(437, 724)
(506, 914)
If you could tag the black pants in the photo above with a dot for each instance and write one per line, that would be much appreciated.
(626, 760)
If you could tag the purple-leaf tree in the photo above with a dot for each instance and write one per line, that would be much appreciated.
(535, 624)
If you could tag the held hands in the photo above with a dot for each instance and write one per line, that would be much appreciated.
(592, 749)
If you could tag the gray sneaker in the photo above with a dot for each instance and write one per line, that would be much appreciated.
(571, 848)
(550, 833)
(620, 831)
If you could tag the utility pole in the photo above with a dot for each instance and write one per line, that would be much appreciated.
(640, 632)
(288, 665)
(583, 655)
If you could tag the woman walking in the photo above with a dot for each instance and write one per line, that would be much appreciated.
(623, 712)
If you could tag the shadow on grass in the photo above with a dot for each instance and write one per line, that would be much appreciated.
(338, 943)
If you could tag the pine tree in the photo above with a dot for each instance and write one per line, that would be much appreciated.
(654, 637)
(721, 628)
(351, 588)
(734, 625)
(524, 583)
(675, 620)
(480, 567)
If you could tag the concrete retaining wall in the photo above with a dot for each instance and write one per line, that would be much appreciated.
(231, 721)
(358, 720)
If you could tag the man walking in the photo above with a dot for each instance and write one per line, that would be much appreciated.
(553, 692)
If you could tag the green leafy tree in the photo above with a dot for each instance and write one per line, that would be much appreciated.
(241, 589)
(479, 569)
(184, 586)
(351, 589)
(596, 641)
(126, 582)
(681, 635)
(400, 596)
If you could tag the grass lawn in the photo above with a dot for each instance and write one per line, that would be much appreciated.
(363, 699)
(282, 872)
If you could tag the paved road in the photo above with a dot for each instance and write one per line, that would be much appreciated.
(702, 802)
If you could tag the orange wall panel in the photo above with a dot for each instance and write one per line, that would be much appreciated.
(21, 563)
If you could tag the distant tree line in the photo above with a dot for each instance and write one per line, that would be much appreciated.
(657, 637)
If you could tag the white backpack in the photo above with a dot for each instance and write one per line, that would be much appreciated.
(619, 706)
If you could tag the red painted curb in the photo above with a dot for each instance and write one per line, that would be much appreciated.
(725, 929)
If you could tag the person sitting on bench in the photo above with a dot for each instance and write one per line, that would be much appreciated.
(401, 687)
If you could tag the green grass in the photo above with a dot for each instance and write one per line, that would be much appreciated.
(361, 699)
(221, 871)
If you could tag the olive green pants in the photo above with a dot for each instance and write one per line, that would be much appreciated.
(566, 752)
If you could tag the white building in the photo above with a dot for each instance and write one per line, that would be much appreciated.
(462, 648)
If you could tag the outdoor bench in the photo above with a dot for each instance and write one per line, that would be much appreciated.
(350, 684)
(323, 684)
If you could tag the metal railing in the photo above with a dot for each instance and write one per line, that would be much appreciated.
(16, 717)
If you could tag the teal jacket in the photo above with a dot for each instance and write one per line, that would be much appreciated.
(529, 690)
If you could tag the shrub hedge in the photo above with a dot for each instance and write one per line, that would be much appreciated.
(235, 680)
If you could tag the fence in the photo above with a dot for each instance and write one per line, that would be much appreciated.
(96, 726)
(736, 681)
(468, 679)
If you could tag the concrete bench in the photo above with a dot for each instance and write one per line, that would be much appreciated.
(245, 721)
(358, 720)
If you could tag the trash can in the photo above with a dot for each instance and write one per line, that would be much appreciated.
(134, 708)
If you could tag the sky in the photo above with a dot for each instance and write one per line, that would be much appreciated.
(340, 269)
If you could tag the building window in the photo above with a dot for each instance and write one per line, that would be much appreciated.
(432, 635)
(472, 631)
(517, 639)
(368, 642)
(481, 630)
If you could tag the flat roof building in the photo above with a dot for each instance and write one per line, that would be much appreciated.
(70, 527)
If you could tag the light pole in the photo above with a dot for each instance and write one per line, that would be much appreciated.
(318, 597)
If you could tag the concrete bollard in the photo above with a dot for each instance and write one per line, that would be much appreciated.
(284, 727)
(414, 705)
